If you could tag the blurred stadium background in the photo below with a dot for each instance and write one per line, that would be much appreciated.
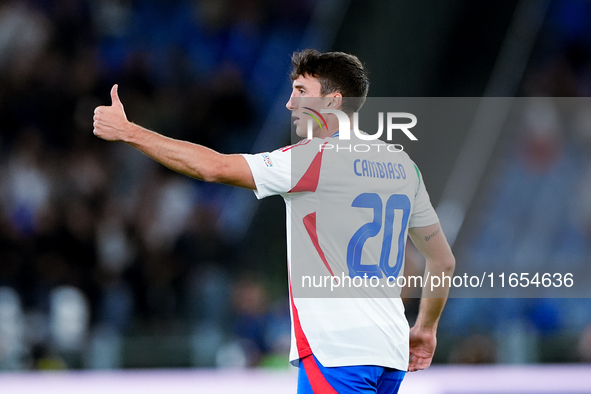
(109, 261)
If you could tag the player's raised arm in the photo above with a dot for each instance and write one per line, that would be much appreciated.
(197, 161)
(432, 244)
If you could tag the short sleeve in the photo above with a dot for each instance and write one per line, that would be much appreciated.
(423, 213)
(279, 171)
(271, 172)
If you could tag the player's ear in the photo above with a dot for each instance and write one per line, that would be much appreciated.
(335, 100)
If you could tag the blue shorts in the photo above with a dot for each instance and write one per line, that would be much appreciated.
(314, 378)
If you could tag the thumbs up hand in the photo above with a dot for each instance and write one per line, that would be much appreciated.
(110, 122)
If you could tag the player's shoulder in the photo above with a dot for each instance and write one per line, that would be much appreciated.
(304, 145)
(402, 157)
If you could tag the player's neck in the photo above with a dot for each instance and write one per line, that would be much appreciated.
(333, 127)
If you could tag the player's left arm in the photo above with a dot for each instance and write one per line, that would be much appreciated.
(197, 161)
(432, 244)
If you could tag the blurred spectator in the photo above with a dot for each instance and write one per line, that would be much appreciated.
(537, 215)
(24, 32)
(135, 240)
(250, 305)
(584, 345)
(475, 349)
(12, 341)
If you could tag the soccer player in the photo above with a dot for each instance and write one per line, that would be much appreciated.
(348, 217)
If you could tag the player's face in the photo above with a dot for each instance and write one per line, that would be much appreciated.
(305, 92)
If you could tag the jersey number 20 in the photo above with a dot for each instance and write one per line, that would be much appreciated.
(354, 248)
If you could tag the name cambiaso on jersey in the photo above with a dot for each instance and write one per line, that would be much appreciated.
(348, 215)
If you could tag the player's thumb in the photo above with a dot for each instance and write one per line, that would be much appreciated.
(115, 97)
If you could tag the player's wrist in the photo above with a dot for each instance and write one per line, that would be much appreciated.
(131, 133)
(424, 327)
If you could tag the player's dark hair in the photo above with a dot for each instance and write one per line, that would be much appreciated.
(336, 72)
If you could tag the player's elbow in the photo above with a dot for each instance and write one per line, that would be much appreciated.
(447, 264)
(214, 174)
(230, 170)
(442, 264)
(219, 172)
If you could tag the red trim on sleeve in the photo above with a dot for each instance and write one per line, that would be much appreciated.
(302, 142)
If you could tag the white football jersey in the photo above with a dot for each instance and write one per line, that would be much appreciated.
(349, 207)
